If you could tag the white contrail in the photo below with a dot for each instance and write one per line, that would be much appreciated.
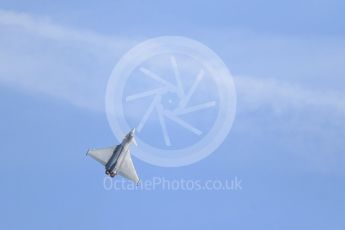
(44, 27)
(258, 92)
(62, 77)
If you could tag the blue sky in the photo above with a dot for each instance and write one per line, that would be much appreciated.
(286, 144)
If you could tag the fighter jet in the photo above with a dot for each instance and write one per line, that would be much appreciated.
(117, 159)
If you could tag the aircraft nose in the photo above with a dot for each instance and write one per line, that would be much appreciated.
(132, 131)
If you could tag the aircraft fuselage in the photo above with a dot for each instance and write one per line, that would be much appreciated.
(118, 155)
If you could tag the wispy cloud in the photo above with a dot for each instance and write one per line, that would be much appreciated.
(45, 28)
(255, 93)
(40, 55)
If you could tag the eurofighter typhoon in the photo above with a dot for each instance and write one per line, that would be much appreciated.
(117, 159)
